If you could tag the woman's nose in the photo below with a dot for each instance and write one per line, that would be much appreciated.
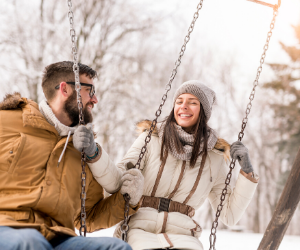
(184, 105)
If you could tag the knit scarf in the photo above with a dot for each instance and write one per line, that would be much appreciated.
(47, 112)
(187, 141)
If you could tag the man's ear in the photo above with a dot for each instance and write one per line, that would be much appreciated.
(64, 89)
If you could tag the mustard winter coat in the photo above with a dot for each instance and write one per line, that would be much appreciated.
(34, 192)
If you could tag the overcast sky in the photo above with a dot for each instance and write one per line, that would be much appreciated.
(238, 27)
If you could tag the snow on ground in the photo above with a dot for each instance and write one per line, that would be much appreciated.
(227, 240)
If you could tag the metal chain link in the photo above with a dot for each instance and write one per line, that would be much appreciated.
(212, 237)
(82, 228)
(124, 226)
(158, 112)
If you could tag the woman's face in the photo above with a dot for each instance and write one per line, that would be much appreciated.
(187, 110)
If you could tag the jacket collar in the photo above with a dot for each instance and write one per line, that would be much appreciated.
(34, 118)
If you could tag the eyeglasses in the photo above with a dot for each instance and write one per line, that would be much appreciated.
(92, 87)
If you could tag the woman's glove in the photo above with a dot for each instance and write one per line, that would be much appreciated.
(239, 152)
(84, 138)
(133, 184)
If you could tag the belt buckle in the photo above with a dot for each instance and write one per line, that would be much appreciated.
(164, 205)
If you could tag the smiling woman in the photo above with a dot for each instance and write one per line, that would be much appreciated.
(185, 163)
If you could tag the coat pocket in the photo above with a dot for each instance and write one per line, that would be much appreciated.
(11, 150)
(17, 215)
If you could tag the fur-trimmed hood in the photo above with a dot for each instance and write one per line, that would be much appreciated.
(12, 101)
(31, 115)
(221, 145)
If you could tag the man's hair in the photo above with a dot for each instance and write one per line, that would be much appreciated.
(59, 72)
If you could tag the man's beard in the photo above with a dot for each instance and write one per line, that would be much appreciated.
(71, 108)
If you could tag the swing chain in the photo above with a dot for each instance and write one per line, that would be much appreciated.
(124, 226)
(168, 86)
(212, 237)
(82, 229)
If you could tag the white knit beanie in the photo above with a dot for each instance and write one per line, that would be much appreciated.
(205, 95)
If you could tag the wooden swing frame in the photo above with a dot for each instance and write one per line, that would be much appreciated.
(267, 4)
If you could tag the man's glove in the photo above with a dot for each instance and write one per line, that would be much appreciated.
(133, 184)
(239, 152)
(84, 138)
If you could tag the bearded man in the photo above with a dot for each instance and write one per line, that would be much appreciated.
(40, 169)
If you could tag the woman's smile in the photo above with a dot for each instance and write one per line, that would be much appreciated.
(185, 117)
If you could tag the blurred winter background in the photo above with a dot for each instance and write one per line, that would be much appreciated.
(133, 45)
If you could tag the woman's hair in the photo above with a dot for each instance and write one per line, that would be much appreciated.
(170, 137)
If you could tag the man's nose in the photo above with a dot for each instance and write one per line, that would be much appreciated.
(94, 99)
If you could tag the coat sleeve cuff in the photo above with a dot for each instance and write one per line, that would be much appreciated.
(97, 157)
(250, 176)
(245, 187)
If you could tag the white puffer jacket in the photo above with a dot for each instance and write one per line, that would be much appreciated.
(181, 231)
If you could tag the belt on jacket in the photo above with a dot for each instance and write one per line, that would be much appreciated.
(166, 205)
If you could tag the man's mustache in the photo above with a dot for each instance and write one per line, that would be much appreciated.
(90, 103)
